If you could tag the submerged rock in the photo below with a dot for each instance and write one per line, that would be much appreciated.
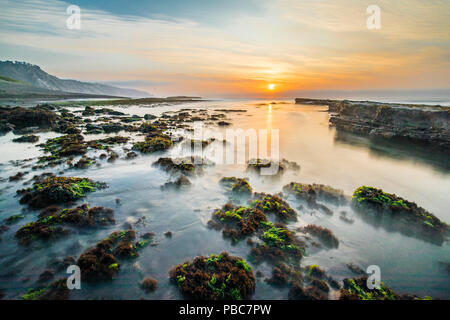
(237, 186)
(149, 284)
(56, 291)
(54, 190)
(114, 140)
(237, 222)
(298, 292)
(397, 214)
(325, 235)
(17, 177)
(100, 262)
(27, 138)
(266, 167)
(279, 245)
(153, 144)
(219, 277)
(313, 192)
(180, 183)
(13, 219)
(51, 222)
(356, 289)
(187, 166)
(273, 204)
(64, 146)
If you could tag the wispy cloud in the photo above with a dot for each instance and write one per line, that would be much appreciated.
(297, 44)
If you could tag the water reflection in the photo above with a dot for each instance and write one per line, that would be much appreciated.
(398, 149)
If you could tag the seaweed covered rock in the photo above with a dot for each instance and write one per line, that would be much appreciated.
(100, 262)
(266, 167)
(315, 285)
(237, 222)
(397, 214)
(27, 139)
(56, 291)
(180, 183)
(187, 166)
(237, 186)
(153, 144)
(124, 244)
(273, 204)
(54, 190)
(325, 235)
(218, 277)
(21, 117)
(83, 163)
(114, 140)
(298, 292)
(43, 229)
(50, 224)
(313, 192)
(283, 275)
(84, 216)
(356, 289)
(279, 245)
(64, 146)
(314, 272)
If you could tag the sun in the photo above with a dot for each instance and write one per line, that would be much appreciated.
(271, 86)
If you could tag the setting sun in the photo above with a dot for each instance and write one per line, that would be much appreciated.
(271, 86)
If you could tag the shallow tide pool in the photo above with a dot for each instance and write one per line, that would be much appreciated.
(341, 160)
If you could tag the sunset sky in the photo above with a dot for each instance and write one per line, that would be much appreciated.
(234, 48)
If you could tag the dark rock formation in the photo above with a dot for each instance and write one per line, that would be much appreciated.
(425, 123)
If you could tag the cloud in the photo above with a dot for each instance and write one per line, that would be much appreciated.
(318, 44)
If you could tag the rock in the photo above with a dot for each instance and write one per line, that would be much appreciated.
(394, 213)
(113, 127)
(356, 289)
(55, 190)
(149, 284)
(153, 144)
(186, 166)
(415, 122)
(56, 291)
(180, 183)
(273, 204)
(325, 235)
(266, 167)
(237, 222)
(46, 276)
(237, 186)
(149, 117)
(168, 234)
(217, 277)
(279, 245)
(28, 117)
(27, 138)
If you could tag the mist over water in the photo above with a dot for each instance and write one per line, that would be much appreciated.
(341, 160)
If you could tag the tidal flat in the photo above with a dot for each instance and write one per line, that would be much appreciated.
(116, 190)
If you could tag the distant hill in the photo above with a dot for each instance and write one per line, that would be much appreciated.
(33, 75)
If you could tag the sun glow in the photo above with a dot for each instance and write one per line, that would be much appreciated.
(271, 86)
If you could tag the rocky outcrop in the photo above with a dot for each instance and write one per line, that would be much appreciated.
(424, 123)
(19, 118)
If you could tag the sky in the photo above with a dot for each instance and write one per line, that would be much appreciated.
(235, 48)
